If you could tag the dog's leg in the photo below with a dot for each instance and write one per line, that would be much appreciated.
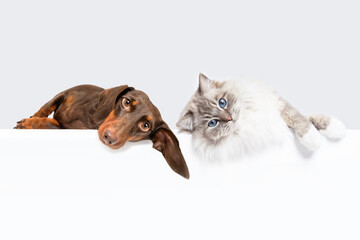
(50, 106)
(38, 123)
(40, 119)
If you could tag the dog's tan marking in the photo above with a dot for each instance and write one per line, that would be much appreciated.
(111, 116)
(70, 100)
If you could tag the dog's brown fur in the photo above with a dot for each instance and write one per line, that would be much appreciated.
(120, 114)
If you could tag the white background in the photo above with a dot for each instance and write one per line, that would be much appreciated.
(66, 184)
(307, 50)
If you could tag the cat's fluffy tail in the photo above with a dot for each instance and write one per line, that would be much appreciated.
(330, 127)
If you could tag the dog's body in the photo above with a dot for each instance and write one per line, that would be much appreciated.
(120, 114)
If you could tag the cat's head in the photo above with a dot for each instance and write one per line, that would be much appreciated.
(212, 110)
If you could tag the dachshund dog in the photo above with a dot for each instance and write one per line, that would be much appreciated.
(120, 114)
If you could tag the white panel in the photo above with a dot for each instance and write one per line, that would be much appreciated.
(65, 184)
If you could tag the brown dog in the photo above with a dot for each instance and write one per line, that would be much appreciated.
(120, 114)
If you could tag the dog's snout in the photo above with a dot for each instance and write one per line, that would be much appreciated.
(109, 138)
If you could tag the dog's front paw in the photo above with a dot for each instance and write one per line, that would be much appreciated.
(19, 124)
(23, 124)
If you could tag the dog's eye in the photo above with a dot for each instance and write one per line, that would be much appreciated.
(126, 102)
(145, 126)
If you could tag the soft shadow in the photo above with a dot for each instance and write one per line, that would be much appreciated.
(302, 150)
(332, 140)
(128, 145)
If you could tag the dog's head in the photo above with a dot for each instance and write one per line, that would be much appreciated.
(131, 116)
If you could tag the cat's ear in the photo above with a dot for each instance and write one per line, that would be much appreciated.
(204, 83)
(186, 121)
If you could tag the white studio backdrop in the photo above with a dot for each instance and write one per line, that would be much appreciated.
(307, 50)
(69, 185)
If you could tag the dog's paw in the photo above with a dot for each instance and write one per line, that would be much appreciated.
(19, 124)
(24, 124)
(312, 140)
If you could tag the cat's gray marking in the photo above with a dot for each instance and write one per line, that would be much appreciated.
(321, 122)
(301, 124)
(204, 106)
(294, 119)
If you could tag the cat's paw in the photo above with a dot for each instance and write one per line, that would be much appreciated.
(312, 140)
(335, 130)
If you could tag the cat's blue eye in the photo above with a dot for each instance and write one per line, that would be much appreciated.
(212, 123)
(222, 103)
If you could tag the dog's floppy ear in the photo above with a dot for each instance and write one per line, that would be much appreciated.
(166, 142)
(107, 100)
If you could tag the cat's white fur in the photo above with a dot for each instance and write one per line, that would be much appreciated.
(335, 130)
(312, 140)
(257, 125)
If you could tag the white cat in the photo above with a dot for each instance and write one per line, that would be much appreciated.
(230, 118)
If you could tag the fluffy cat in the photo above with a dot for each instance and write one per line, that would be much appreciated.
(230, 118)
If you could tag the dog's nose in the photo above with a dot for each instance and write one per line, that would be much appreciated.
(109, 138)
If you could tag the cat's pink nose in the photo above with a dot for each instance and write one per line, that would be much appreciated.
(229, 118)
